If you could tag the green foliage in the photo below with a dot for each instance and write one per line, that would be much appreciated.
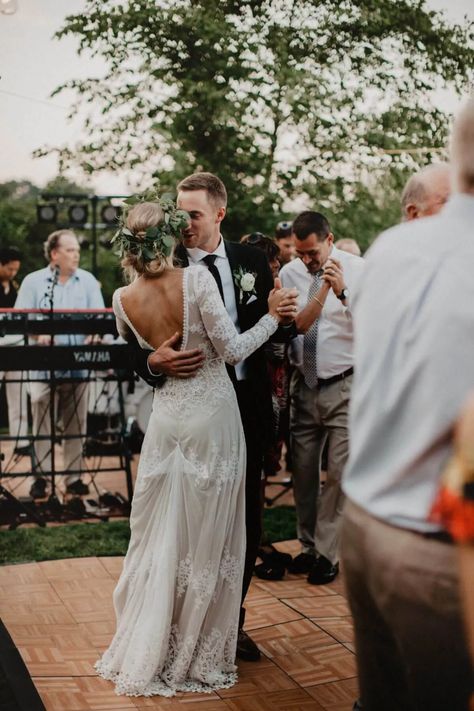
(18, 225)
(106, 539)
(158, 239)
(280, 98)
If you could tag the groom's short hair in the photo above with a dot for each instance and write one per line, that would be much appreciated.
(213, 185)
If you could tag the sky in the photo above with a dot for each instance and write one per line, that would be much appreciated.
(33, 64)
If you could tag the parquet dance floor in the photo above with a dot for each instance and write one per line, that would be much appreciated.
(60, 616)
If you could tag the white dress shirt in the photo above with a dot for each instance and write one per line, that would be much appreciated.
(414, 363)
(335, 323)
(80, 291)
(196, 256)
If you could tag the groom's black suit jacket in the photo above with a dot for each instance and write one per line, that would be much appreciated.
(255, 261)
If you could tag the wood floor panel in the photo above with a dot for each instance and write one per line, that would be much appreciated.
(25, 574)
(65, 694)
(101, 588)
(87, 608)
(336, 696)
(38, 594)
(113, 565)
(72, 569)
(266, 611)
(180, 702)
(32, 614)
(257, 679)
(291, 638)
(316, 607)
(294, 586)
(294, 700)
(341, 628)
(324, 665)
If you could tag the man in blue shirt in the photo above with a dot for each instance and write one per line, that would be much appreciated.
(69, 288)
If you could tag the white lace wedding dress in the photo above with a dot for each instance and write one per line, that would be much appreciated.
(178, 598)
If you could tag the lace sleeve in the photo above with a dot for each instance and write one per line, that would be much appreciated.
(122, 327)
(231, 345)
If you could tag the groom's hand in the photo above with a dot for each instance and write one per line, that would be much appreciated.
(165, 360)
(288, 308)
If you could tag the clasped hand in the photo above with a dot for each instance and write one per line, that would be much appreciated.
(334, 275)
(282, 303)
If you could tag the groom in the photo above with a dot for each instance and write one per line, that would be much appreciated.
(204, 197)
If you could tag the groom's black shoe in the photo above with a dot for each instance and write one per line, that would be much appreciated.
(247, 650)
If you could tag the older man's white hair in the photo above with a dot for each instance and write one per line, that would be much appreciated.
(462, 149)
(426, 191)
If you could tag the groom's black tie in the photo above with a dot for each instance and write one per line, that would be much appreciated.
(209, 261)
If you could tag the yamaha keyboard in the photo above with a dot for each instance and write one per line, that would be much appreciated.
(34, 322)
(91, 357)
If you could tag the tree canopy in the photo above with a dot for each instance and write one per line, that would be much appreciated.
(280, 98)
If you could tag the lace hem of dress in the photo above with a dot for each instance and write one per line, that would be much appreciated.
(125, 686)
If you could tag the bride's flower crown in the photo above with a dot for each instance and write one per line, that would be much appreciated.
(160, 238)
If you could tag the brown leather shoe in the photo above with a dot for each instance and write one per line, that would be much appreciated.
(247, 650)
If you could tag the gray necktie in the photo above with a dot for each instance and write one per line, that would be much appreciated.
(310, 362)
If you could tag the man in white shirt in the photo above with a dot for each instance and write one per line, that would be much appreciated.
(320, 388)
(68, 287)
(414, 345)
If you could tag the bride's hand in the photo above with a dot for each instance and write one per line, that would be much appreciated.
(282, 304)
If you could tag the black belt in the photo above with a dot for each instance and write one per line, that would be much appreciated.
(440, 536)
(322, 382)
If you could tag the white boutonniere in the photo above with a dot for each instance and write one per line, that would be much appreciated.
(245, 282)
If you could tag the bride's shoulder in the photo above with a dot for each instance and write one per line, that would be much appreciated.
(117, 294)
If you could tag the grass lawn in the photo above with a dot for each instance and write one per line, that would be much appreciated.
(102, 539)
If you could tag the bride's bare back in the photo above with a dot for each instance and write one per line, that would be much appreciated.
(155, 306)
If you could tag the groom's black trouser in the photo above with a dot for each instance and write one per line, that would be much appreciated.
(251, 421)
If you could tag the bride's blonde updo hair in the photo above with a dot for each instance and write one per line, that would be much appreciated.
(136, 261)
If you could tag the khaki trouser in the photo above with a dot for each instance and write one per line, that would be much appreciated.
(404, 595)
(317, 415)
(16, 393)
(71, 405)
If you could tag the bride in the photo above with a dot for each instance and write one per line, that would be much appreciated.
(178, 598)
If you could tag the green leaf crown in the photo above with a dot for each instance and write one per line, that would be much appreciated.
(158, 239)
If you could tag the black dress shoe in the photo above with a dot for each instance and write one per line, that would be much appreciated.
(38, 488)
(269, 571)
(323, 571)
(358, 706)
(301, 564)
(247, 650)
(269, 554)
(78, 488)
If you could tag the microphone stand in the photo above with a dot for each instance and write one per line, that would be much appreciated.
(53, 500)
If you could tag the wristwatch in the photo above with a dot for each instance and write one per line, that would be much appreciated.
(343, 295)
